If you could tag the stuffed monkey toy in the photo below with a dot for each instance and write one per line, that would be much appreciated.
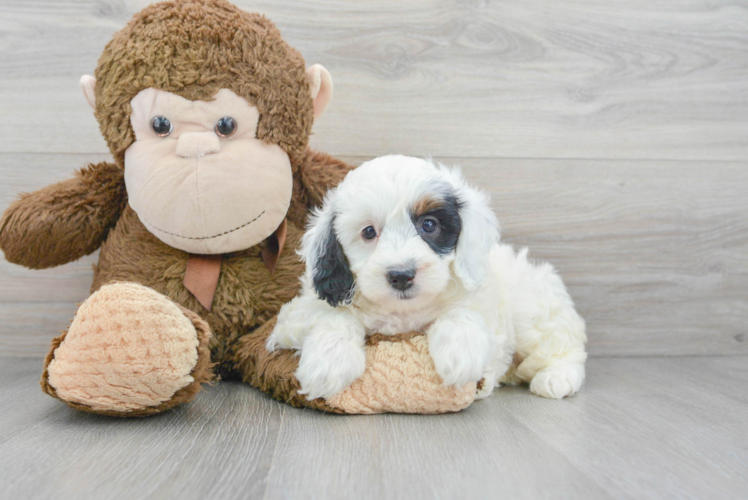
(207, 113)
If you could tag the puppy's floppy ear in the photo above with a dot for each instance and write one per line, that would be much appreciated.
(480, 231)
(331, 277)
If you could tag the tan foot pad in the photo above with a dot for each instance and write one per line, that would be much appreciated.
(400, 377)
(127, 349)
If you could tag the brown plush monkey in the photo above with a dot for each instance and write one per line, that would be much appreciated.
(207, 112)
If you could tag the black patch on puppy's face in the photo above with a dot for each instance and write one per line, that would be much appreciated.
(332, 277)
(438, 223)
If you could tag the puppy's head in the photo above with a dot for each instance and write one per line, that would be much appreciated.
(399, 231)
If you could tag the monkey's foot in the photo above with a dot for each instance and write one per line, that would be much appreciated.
(129, 351)
(400, 377)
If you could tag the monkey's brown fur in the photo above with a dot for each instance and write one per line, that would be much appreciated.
(195, 48)
(192, 49)
(64, 221)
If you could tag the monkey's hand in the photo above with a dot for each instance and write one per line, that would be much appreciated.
(320, 172)
(65, 221)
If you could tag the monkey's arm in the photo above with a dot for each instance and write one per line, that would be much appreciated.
(65, 221)
(320, 172)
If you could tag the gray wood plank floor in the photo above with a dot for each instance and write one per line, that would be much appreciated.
(640, 428)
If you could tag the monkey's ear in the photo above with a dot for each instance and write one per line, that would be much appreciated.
(320, 83)
(88, 86)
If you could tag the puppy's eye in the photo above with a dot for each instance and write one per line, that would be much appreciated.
(161, 125)
(226, 126)
(369, 233)
(429, 225)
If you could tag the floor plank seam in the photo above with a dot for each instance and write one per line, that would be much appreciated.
(671, 356)
(275, 453)
(561, 451)
(450, 157)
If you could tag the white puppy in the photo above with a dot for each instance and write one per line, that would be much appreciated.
(405, 245)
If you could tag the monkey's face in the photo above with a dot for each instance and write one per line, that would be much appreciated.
(198, 177)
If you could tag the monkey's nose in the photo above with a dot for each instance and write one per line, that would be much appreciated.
(401, 279)
(197, 144)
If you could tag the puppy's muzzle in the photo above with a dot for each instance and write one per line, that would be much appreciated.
(401, 279)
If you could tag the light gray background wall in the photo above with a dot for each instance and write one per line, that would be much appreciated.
(612, 135)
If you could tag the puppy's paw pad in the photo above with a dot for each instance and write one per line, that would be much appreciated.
(555, 384)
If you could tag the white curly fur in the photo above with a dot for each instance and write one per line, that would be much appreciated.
(480, 304)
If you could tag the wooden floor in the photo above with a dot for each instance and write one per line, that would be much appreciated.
(640, 428)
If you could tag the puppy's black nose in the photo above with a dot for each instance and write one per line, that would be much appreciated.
(401, 279)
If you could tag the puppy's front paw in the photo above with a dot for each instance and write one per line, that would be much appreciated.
(280, 338)
(325, 370)
(271, 344)
(460, 350)
(557, 382)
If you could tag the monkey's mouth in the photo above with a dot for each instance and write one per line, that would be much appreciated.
(205, 237)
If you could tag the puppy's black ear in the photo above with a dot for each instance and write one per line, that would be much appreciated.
(331, 277)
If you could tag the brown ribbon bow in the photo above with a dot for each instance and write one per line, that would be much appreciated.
(203, 271)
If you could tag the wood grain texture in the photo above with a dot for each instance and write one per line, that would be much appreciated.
(531, 78)
(655, 254)
(221, 446)
(640, 428)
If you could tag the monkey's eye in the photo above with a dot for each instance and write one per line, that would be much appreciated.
(369, 233)
(429, 225)
(225, 126)
(161, 125)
